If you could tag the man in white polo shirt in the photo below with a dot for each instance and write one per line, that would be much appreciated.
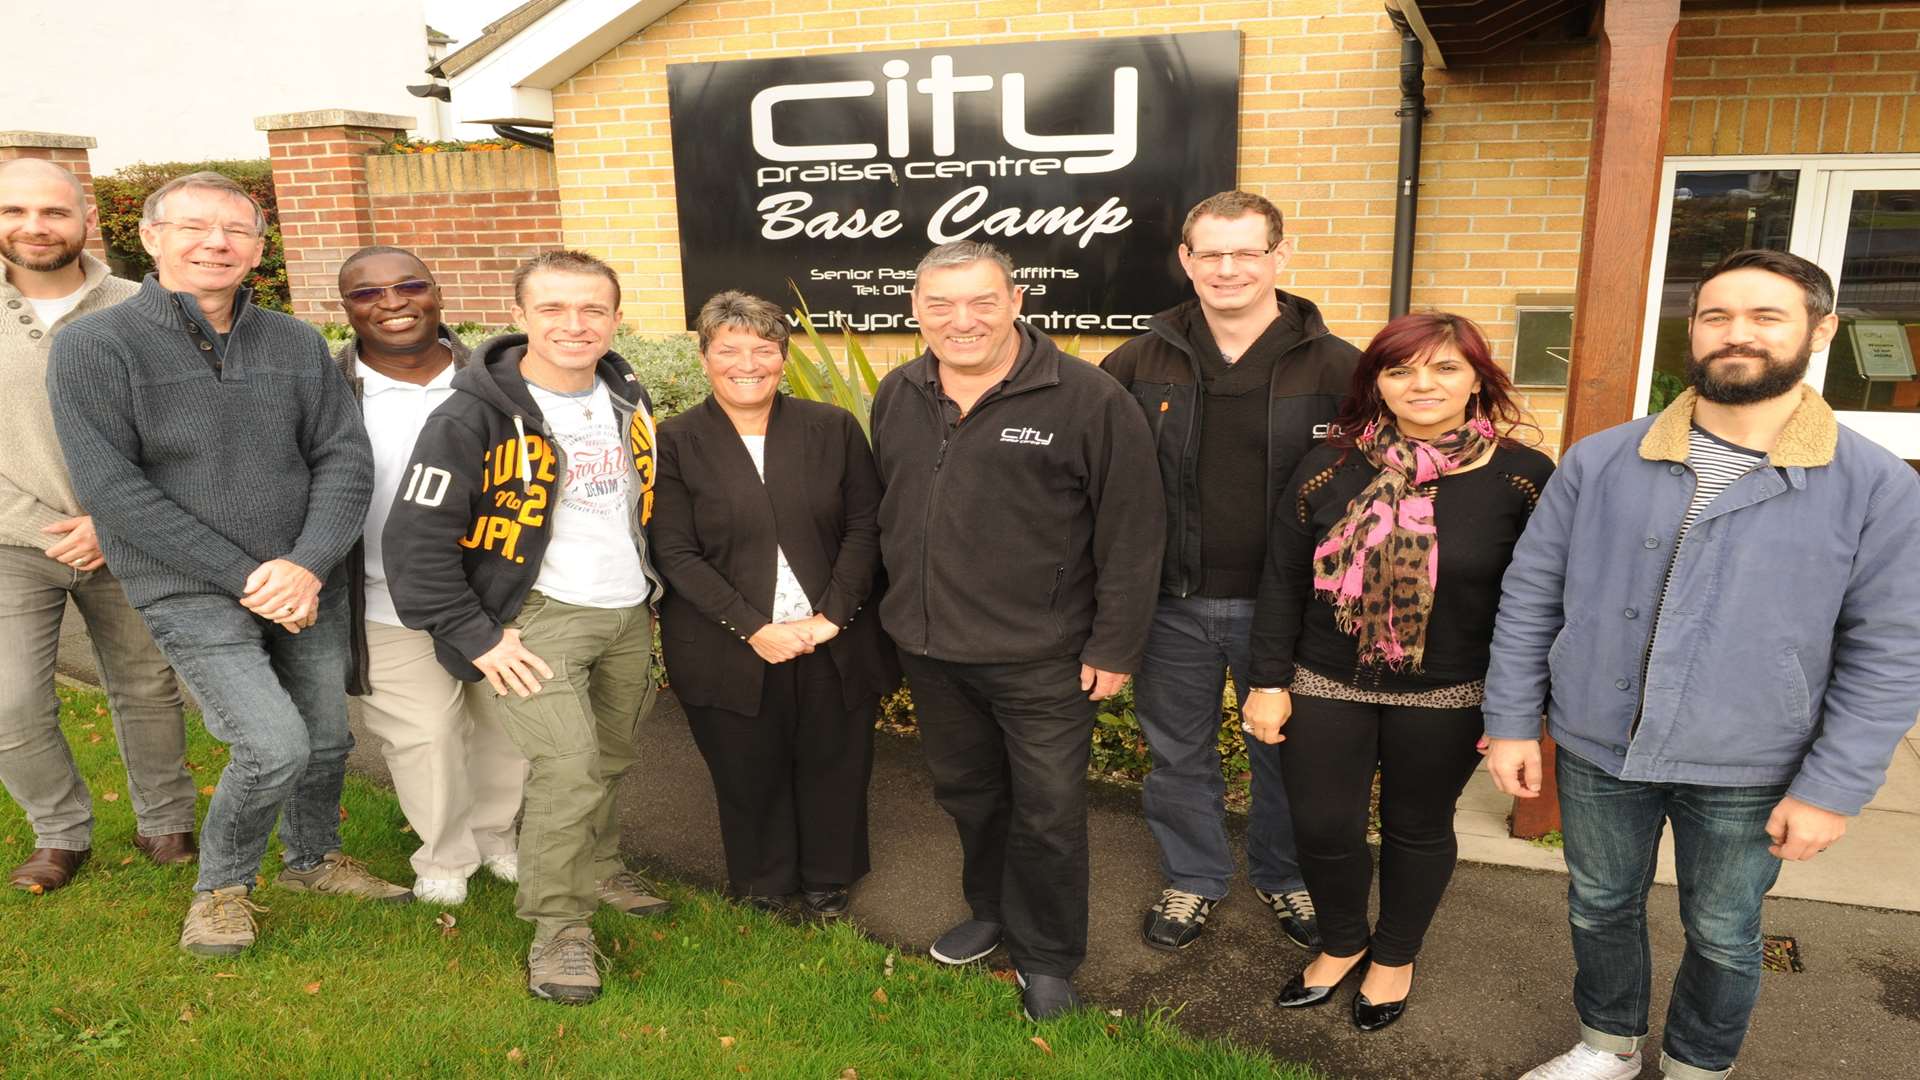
(459, 778)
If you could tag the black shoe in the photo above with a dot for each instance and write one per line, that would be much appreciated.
(1370, 1017)
(826, 904)
(1043, 997)
(1176, 919)
(1297, 918)
(1298, 995)
(971, 940)
(775, 906)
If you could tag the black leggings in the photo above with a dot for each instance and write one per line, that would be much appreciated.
(1425, 757)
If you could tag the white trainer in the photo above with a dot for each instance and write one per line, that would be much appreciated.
(449, 891)
(1583, 1062)
(506, 867)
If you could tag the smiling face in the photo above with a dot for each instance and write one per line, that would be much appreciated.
(744, 368)
(401, 319)
(214, 262)
(967, 315)
(1224, 281)
(1750, 337)
(1428, 394)
(44, 218)
(569, 319)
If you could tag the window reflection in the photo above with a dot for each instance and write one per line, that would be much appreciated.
(1871, 365)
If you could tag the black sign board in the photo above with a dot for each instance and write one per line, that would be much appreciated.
(1078, 158)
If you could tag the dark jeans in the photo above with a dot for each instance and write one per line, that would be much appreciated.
(1425, 757)
(279, 702)
(791, 780)
(1612, 829)
(1176, 696)
(1008, 746)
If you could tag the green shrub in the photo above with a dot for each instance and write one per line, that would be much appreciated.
(122, 194)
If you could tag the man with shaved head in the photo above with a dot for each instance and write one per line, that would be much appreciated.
(48, 555)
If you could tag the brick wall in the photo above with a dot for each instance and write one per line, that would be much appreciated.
(471, 217)
(320, 183)
(67, 151)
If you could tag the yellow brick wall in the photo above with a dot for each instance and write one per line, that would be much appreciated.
(1504, 156)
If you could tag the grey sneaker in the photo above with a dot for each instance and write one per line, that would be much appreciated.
(970, 941)
(629, 892)
(1176, 919)
(1298, 920)
(1583, 1062)
(341, 875)
(220, 923)
(566, 967)
(1043, 997)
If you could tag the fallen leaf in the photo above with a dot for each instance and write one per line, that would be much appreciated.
(208, 790)
(1112, 1031)
(887, 968)
(849, 1074)
(1042, 1044)
(225, 975)
(446, 920)
(125, 861)
(343, 813)
(99, 710)
(516, 1055)
(880, 994)
(88, 726)
(646, 1029)
(1116, 1012)
(1007, 977)
(659, 936)
(560, 1032)
(406, 828)
(111, 796)
(94, 738)
(312, 988)
(726, 1042)
(186, 1015)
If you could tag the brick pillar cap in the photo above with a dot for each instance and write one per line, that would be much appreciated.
(320, 118)
(48, 140)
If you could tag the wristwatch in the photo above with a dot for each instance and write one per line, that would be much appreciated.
(1266, 689)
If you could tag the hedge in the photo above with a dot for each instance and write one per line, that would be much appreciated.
(122, 195)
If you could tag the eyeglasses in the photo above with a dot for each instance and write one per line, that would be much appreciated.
(194, 230)
(1215, 258)
(411, 289)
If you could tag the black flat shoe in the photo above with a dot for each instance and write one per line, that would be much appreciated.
(1370, 1017)
(826, 904)
(1298, 995)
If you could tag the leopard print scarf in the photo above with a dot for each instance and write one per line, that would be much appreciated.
(1380, 564)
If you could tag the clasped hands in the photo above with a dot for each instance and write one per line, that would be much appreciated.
(780, 642)
(283, 592)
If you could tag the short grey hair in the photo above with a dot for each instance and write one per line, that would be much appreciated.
(964, 253)
(150, 213)
(735, 310)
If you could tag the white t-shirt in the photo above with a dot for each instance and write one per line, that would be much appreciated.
(591, 559)
(789, 598)
(395, 412)
(51, 311)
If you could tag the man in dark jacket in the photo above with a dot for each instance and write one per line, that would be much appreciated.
(1237, 385)
(1021, 533)
(457, 775)
(518, 540)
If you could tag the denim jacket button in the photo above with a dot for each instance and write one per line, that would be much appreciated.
(1621, 684)
(1676, 469)
(1652, 542)
(1631, 613)
(1620, 751)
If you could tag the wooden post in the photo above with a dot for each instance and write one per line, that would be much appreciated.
(1633, 86)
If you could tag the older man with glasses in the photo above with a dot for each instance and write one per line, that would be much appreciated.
(228, 475)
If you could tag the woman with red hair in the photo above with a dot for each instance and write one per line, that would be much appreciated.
(1370, 638)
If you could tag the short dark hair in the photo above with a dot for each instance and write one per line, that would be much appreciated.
(1235, 204)
(568, 262)
(375, 250)
(1812, 280)
(735, 310)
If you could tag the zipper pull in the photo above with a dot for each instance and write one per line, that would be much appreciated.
(942, 455)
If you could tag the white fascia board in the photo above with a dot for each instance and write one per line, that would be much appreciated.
(514, 83)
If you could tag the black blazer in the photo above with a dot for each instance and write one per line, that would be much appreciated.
(716, 524)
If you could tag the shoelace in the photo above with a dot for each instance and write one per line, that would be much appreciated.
(1299, 904)
(346, 866)
(232, 913)
(1577, 1064)
(1180, 906)
(631, 882)
(573, 955)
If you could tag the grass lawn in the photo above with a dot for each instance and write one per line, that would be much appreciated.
(92, 982)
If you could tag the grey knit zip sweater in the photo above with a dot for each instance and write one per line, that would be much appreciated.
(199, 458)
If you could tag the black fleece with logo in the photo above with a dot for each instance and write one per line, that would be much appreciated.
(1032, 529)
(471, 521)
(1161, 369)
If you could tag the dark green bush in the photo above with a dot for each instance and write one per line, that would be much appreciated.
(122, 194)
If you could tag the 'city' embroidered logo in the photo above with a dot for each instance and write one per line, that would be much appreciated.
(1026, 436)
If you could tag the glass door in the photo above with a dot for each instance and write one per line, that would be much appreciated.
(1870, 243)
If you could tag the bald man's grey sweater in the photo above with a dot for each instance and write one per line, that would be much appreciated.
(201, 458)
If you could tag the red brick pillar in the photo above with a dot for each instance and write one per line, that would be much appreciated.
(320, 181)
(67, 151)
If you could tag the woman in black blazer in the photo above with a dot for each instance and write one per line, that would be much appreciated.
(765, 527)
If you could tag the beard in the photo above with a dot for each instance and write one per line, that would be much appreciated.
(57, 260)
(1776, 376)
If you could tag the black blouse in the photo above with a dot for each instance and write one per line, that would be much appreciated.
(1478, 516)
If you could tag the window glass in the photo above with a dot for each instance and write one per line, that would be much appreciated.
(1870, 367)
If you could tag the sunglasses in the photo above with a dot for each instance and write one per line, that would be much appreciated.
(411, 290)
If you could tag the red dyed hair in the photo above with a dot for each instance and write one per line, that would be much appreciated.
(1411, 337)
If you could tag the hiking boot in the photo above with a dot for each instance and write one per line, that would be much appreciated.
(629, 892)
(339, 874)
(1176, 919)
(505, 866)
(1043, 997)
(220, 923)
(1297, 918)
(971, 940)
(565, 968)
(1583, 1062)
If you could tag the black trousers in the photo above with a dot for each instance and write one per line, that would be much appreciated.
(1425, 757)
(791, 780)
(1008, 746)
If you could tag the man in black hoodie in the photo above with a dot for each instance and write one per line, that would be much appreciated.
(1237, 385)
(518, 540)
(1021, 532)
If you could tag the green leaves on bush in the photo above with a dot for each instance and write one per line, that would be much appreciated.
(121, 195)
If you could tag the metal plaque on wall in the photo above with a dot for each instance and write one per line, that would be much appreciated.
(1079, 159)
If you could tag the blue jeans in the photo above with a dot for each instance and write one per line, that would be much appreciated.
(279, 702)
(1176, 697)
(1612, 829)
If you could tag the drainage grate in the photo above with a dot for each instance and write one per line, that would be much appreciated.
(1778, 952)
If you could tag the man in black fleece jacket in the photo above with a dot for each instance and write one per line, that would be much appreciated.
(1021, 530)
(225, 466)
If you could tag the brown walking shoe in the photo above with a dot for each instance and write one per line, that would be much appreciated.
(341, 875)
(168, 849)
(565, 968)
(220, 923)
(629, 892)
(47, 869)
